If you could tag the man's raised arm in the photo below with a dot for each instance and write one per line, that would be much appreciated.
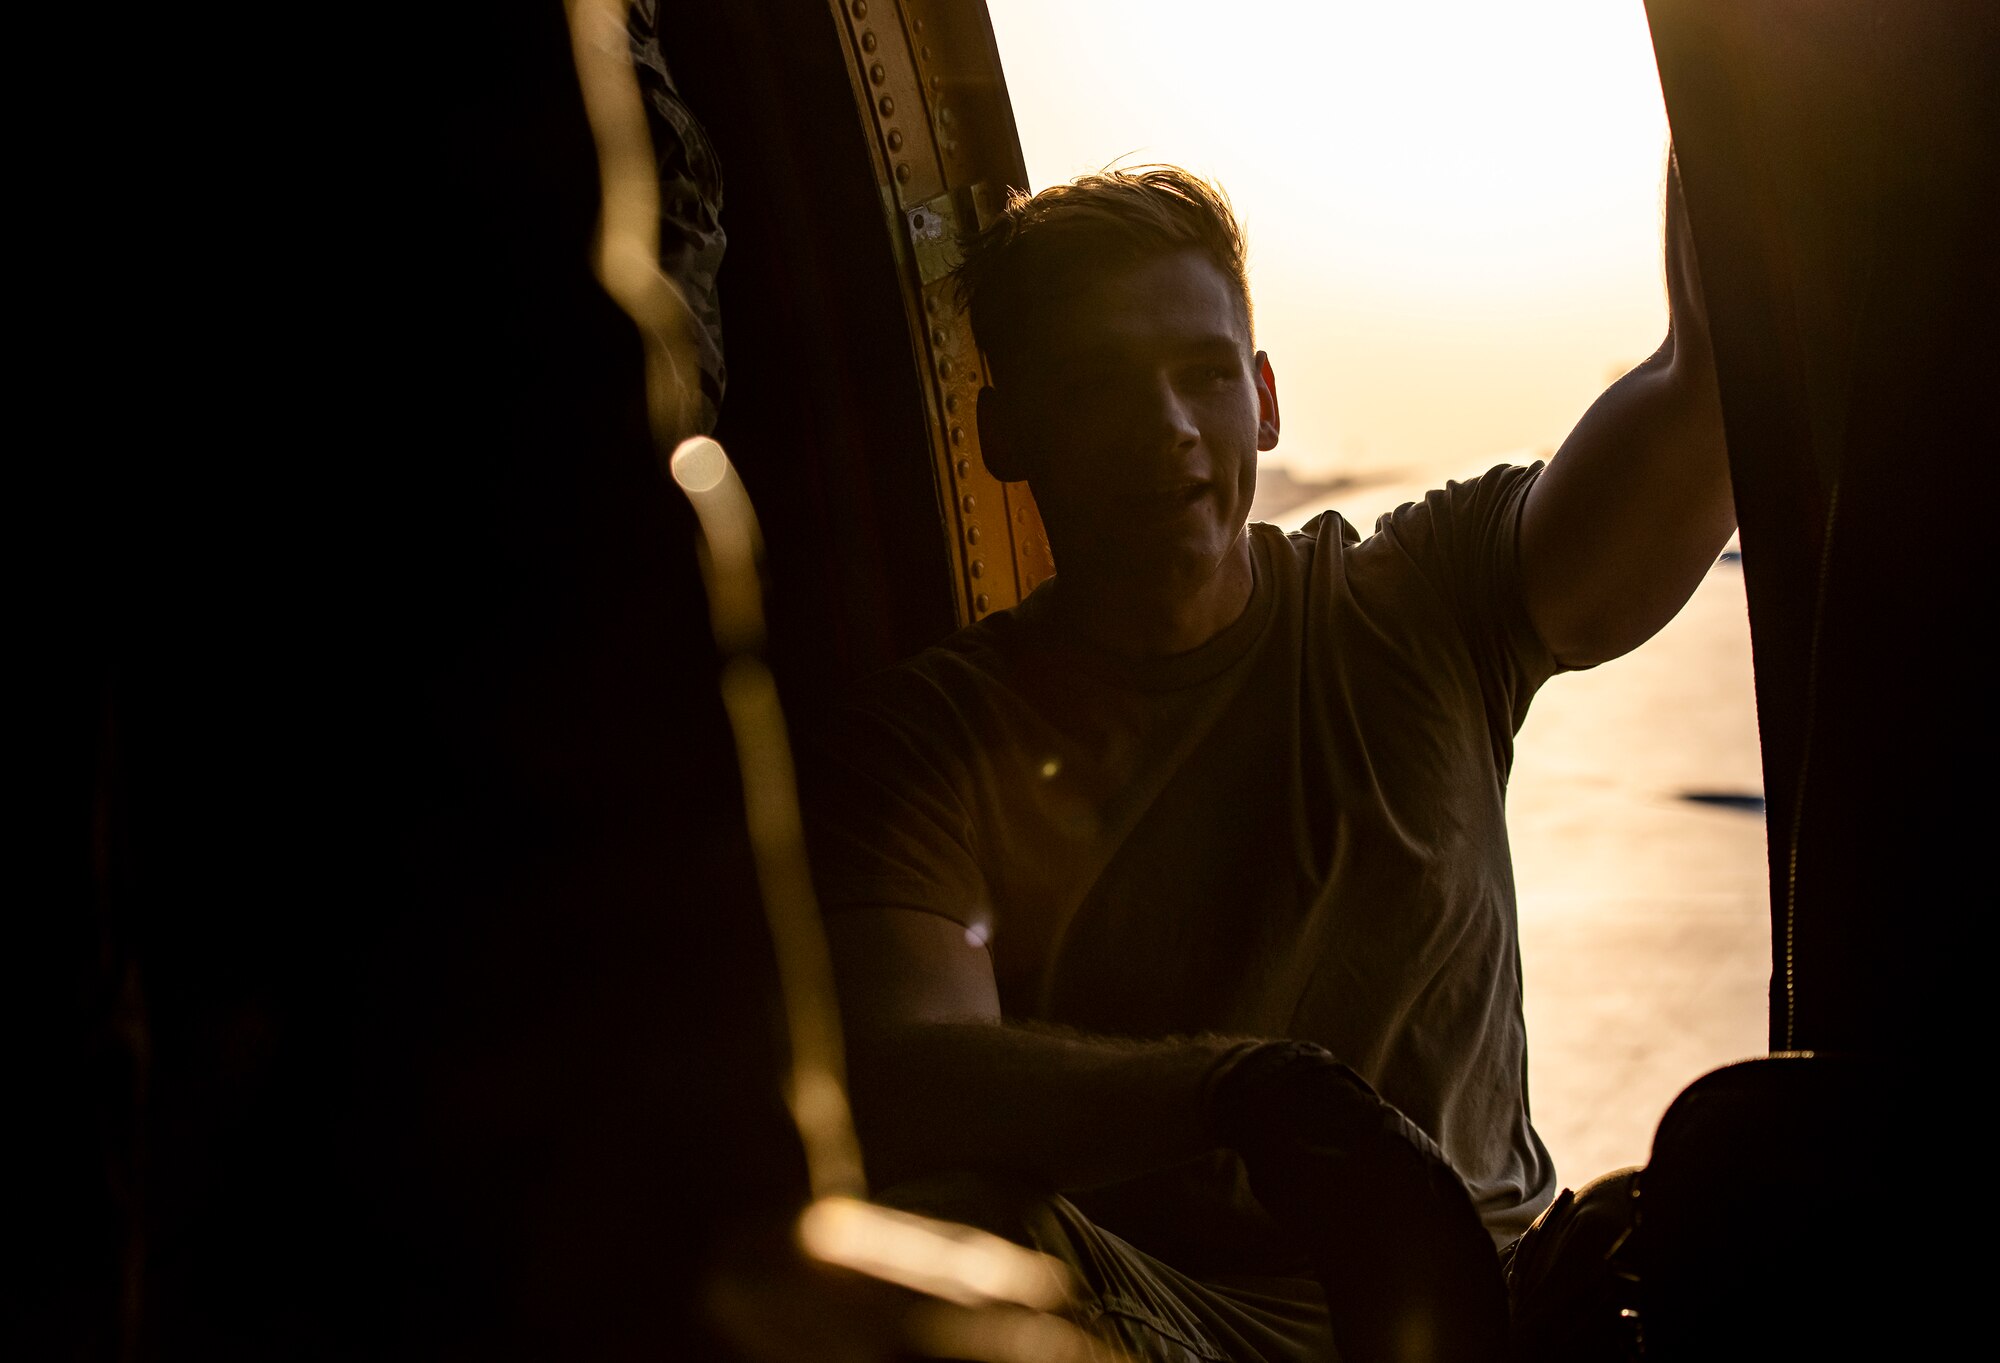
(1635, 506)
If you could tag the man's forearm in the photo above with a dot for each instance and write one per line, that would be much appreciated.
(1069, 1110)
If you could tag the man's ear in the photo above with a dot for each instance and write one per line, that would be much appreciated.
(998, 444)
(1267, 404)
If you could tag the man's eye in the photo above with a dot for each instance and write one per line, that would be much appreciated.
(1088, 377)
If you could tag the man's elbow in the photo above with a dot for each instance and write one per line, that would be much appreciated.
(1609, 616)
(1587, 641)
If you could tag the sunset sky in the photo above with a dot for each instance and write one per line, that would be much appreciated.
(1453, 207)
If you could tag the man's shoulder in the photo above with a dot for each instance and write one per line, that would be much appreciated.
(1491, 497)
(1461, 518)
(985, 651)
(936, 686)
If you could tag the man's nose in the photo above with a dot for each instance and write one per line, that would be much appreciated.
(1166, 422)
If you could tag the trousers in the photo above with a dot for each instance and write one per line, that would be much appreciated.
(1564, 1287)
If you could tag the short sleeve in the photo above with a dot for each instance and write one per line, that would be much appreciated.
(1465, 539)
(886, 808)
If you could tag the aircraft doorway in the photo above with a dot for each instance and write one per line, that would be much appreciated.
(1454, 225)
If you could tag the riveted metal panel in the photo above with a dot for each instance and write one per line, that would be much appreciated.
(928, 86)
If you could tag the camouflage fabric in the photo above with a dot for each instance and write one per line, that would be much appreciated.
(691, 236)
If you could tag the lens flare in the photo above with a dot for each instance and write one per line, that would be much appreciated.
(698, 464)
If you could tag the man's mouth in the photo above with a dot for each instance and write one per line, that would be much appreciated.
(1166, 498)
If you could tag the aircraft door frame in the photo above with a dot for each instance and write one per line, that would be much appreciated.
(929, 90)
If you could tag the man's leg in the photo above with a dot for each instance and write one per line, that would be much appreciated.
(1127, 1297)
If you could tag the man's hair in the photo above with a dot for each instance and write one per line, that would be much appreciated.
(1046, 245)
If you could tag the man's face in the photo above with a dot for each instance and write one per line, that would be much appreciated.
(1138, 423)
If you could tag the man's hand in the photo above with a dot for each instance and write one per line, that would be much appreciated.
(1687, 306)
(1263, 1091)
(1408, 1268)
(1633, 509)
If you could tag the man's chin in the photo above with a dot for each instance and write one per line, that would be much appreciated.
(1143, 567)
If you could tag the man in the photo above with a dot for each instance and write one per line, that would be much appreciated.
(1213, 784)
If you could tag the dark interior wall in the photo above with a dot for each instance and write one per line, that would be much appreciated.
(417, 998)
(824, 415)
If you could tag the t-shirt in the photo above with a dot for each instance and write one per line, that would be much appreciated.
(1296, 829)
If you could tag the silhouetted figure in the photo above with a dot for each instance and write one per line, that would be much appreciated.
(1174, 907)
